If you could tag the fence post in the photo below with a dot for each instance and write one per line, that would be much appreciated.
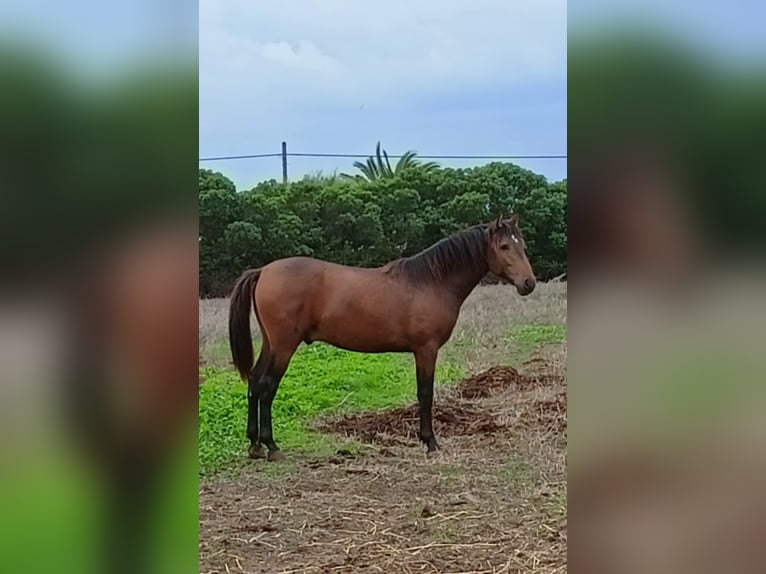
(284, 162)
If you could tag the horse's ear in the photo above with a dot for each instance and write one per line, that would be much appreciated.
(496, 224)
(514, 220)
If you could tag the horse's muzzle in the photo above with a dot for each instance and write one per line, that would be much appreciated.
(527, 286)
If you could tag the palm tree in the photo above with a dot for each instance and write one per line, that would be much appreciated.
(379, 167)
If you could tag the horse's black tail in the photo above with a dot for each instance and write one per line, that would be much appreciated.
(240, 339)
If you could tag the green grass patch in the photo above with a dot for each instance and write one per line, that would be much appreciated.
(278, 470)
(517, 471)
(450, 473)
(526, 338)
(445, 533)
(321, 379)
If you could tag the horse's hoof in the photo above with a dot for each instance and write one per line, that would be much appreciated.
(433, 449)
(275, 456)
(432, 444)
(256, 452)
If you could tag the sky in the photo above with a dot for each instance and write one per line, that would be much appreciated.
(441, 77)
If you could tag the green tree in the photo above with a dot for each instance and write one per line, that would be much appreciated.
(543, 221)
(467, 209)
(241, 240)
(220, 207)
(350, 224)
(400, 217)
(210, 180)
(368, 223)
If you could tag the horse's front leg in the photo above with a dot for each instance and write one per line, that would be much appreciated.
(425, 364)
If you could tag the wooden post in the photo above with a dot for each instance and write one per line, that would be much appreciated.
(284, 162)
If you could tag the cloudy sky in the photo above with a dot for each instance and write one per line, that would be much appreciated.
(453, 77)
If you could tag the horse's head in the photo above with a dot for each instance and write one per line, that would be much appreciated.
(506, 255)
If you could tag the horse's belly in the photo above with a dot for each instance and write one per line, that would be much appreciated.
(370, 346)
(362, 337)
(363, 327)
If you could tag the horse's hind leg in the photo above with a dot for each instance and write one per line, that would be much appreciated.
(269, 385)
(253, 393)
(425, 363)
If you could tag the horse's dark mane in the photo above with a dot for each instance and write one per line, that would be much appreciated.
(466, 249)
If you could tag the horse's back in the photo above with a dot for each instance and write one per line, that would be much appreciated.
(321, 285)
(290, 280)
(303, 276)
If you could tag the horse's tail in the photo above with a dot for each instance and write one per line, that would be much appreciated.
(240, 339)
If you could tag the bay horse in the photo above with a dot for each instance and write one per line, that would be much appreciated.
(408, 305)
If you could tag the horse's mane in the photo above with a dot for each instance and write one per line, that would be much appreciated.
(466, 249)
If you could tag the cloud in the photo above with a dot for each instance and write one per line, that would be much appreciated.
(366, 52)
(305, 57)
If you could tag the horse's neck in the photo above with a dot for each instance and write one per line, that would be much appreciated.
(461, 283)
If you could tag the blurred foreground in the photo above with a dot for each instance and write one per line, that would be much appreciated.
(667, 315)
(98, 295)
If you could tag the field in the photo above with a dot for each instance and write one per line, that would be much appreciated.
(357, 493)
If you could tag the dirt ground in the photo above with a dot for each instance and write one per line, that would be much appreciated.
(493, 500)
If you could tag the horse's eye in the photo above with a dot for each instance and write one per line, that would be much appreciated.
(505, 247)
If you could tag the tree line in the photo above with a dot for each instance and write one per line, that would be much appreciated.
(373, 218)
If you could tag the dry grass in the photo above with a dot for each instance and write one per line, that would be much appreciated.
(213, 321)
(487, 503)
(491, 312)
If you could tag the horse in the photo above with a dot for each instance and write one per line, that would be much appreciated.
(408, 305)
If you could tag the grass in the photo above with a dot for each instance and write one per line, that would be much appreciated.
(517, 471)
(321, 379)
(450, 473)
(527, 338)
(493, 315)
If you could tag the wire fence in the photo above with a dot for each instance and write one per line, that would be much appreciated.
(284, 155)
(366, 155)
